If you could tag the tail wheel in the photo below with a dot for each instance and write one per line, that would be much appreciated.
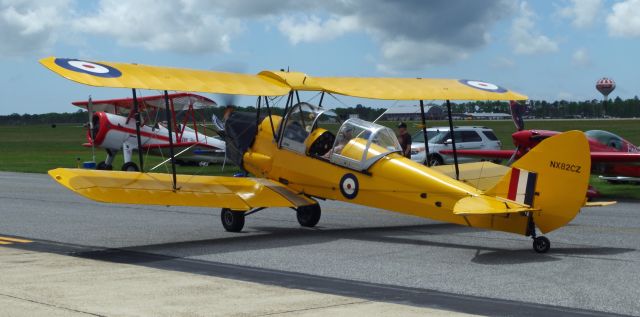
(308, 216)
(104, 166)
(130, 167)
(541, 244)
(232, 221)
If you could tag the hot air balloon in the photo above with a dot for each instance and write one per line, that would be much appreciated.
(605, 86)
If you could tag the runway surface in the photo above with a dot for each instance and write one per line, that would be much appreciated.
(593, 266)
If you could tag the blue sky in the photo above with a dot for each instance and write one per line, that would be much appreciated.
(544, 49)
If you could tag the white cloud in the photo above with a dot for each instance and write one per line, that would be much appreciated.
(30, 26)
(624, 19)
(583, 13)
(503, 63)
(581, 57)
(404, 54)
(524, 36)
(190, 27)
(312, 28)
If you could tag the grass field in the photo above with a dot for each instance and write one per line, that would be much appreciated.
(39, 148)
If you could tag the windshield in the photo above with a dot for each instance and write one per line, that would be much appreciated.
(359, 144)
(300, 122)
(419, 136)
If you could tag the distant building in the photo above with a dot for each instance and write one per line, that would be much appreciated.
(354, 116)
(412, 113)
(486, 116)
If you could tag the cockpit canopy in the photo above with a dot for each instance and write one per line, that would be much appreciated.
(357, 145)
(607, 138)
(360, 143)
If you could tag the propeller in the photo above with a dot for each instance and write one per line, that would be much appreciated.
(517, 112)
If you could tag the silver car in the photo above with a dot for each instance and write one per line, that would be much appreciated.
(467, 137)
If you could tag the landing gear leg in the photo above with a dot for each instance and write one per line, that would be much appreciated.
(108, 163)
(540, 244)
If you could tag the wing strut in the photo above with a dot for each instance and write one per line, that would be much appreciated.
(136, 110)
(427, 161)
(167, 113)
(453, 140)
(266, 103)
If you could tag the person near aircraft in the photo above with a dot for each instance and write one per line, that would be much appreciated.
(405, 139)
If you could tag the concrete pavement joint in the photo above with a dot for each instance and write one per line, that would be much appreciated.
(51, 305)
(314, 308)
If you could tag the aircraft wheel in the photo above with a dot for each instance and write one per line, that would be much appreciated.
(232, 221)
(435, 160)
(104, 166)
(541, 244)
(308, 216)
(130, 167)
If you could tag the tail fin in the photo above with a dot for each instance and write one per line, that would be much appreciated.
(552, 177)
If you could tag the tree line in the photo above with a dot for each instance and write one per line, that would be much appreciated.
(616, 107)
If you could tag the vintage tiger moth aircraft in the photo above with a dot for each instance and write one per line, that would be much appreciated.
(113, 132)
(296, 162)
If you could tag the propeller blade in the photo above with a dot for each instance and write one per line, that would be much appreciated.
(217, 123)
(513, 157)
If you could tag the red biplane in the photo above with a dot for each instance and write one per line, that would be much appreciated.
(113, 128)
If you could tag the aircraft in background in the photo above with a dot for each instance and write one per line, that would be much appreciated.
(296, 162)
(113, 129)
(613, 157)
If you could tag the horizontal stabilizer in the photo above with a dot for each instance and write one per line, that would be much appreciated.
(486, 205)
(237, 193)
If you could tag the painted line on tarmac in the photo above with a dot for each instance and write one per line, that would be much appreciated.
(10, 240)
(328, 285)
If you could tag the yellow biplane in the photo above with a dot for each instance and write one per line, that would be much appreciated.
(295, 162)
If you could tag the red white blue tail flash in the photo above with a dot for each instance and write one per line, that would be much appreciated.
(522, 186)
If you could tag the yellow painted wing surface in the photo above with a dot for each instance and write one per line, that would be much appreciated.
(270, 83)
(126, 75)
(414, 89)
(238, 193)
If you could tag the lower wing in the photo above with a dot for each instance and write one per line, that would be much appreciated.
(237, 193)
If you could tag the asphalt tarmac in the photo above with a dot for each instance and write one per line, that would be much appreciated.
(593, 266)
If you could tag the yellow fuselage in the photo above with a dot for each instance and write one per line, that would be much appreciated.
(394, 183)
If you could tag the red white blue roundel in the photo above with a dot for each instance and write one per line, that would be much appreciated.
(349, 186)
(87, 67)
(482, 85)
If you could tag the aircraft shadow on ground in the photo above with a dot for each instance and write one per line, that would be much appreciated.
(413, 235)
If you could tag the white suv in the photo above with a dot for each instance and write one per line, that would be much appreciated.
(467, 138)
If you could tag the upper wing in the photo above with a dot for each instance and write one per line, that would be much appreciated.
(269, 83)
(499, 154)
(237, 193)
(179, 101)
(397, 88)
(415, 89)
(125, 75)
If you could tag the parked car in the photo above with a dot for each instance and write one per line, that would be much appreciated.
(466, 137)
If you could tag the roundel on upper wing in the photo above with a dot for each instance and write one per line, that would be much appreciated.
(482, 85)
(349, 186)
(86, 67)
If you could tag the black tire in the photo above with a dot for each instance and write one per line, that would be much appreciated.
(308, 216)
(541, 244)
(104, 166)
(435, 160)
(232, 221)
(130, 167)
